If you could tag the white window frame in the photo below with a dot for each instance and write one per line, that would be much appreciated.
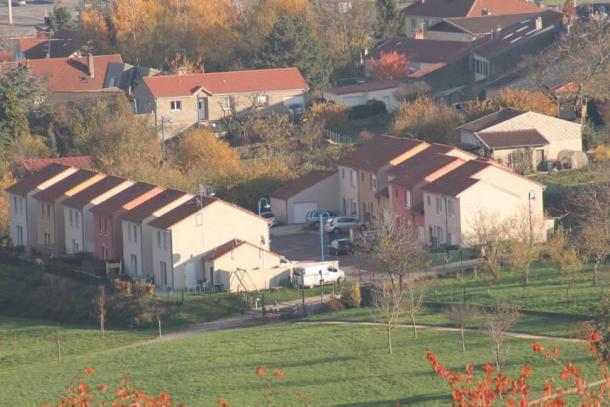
(450, 208)
(175, 106)
(227, 102)
(408, 199)
(439, 205)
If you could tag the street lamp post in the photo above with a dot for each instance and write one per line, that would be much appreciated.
(322, 216)
(264, 204)
(531, 196)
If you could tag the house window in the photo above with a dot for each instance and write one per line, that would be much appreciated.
(134, 264)
(129, 232)
(450, 207)
(374, 183)
(362, 176)
(75, 248)
(159, 239)
(262, 100)
(439, 205)
(164, 241)
(135, 233)
(413, 24)
(353, 175)
(100, 224)
(48, 211)
(227, 102)
(408, 199)
(428, 200)
(76, 219)
(71, 221)
(15, 203)
(343, 173)
(164, 273)
(175, 105)
(354, 209)
(104, 252)
(19, 235)
(42, 208)
(344, 206)
(106, 226)
(47, 238)
(449, 238)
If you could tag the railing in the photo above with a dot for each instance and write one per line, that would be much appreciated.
(340, 138)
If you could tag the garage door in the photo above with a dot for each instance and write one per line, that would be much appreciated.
(300, 209)
(190, 276)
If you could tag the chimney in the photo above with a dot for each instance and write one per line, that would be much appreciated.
(538, 23)
(90, 68)
(419, 35)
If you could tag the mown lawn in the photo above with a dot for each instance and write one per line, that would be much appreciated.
(180, 312)
(545, 292)
(331, 365)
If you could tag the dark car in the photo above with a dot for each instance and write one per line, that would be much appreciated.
(340, 246)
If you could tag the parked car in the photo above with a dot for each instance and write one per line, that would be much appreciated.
(270, 216)
(339, 247)
(316, 274)
(312, 218)
(343, 224)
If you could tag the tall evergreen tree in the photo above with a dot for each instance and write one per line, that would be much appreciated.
(292, 43)
(388, 19)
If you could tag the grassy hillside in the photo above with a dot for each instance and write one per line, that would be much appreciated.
(332, 365)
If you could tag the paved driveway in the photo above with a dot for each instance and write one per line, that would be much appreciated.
(25, 18)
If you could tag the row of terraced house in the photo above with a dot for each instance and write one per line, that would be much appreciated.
(173, 238)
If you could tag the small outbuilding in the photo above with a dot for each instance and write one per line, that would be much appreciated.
(312, 191)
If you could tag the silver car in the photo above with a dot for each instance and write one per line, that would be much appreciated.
(343, 224)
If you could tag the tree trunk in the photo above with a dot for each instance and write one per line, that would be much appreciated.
(389, 341)
(414, 325)
(595, 273)
(527, 277)
(462, 334)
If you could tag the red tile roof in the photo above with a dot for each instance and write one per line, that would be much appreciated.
(182, 212)
(491, 119)
(258, 80)
(301, 183)
(364, 87)
(422, 169)
(85, 196)
(71, 74)
(61, 187)
(83, 161)
(458, 180)
(64, 44)
(512, 139)
(141, 212)
(116, 203)
(428, 154)
(467, 8)
(30, 182)
(378, 152)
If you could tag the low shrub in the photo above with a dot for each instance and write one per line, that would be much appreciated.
(371, 108)
(334, 305)
(601, 153)
(350, 295)
(366, 295)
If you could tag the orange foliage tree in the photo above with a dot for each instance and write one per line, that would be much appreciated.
(494, 388)
(389, 66)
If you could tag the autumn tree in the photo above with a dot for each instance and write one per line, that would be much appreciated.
(133, 22)
(520, 99)
(292, 43)
(94, 27)
(525, 234)
(389, 66)
(425, 120)
(565, 257)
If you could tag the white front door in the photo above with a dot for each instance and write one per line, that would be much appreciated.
(202, 108)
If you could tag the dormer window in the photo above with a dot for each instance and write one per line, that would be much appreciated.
(485, 12)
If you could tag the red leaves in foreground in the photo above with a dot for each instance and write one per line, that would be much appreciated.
(85, 395)
(492, 387)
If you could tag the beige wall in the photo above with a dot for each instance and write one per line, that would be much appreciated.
(448, 36)
(348, 191)
(414, 23)
(18, 219)
(385, 95)
(248, 268)
(196, 235)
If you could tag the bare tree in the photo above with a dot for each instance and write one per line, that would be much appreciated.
(396, 250)
(389, 306)
(462, 315)
(489, 233)
(499, 319)
(413, 292)
(565, 256)
(102, 307)
(525, 234)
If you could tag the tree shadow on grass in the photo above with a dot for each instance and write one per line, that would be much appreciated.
(429, 399)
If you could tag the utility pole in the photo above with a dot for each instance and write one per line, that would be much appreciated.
(10, 12)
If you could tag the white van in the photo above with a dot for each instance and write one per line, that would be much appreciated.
(315, 274)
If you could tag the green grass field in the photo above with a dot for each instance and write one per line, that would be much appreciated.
(332, 365)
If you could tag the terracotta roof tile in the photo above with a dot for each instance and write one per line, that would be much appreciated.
(512, 139)
(83, 161)
(64, 44)
(491, 119)
(419, 171)
(85, 196)
(61, 187)
(116, 203)
(428, 154)
(71, 74)
(301, 183)
(182, 212)
(458, 180)
(258, 80)
(30, 182)
(378, 152)
(143, 211)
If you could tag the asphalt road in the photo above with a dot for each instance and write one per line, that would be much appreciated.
(25, 18)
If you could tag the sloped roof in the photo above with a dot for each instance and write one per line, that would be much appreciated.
(491, 119)
(378, 152)
(364, 87)
(458, 180)
(467, 8)
(71, 74)
(480, 25)
(182, 212)
(85, 196)
(63, 45)
(229, 246)
(423, 50)
(301, 183)
(428, 154)
(257, 80)
(82, 161)
(30, 182)
(143, 211)
(124, 197)
(61, 187)
(512, 139)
